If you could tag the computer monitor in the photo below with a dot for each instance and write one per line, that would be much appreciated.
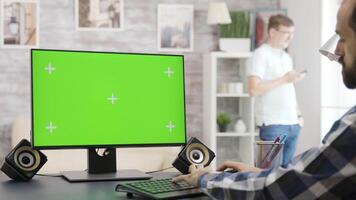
(91, 100)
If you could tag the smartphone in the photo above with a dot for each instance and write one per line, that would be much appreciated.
(304, 71)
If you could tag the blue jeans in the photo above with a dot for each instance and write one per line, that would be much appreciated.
(270, 132)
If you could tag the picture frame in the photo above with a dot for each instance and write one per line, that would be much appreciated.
(175, 27)
(99, 15)
(261, 17)
(19, 23)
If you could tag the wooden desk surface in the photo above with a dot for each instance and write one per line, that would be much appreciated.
(57, 188)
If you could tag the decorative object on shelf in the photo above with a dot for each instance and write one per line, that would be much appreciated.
(175, 27)
(231, 88)
(99, 15)
(235, 88)
(223, 120)
(235, 37)
(20, 20)
(239, 126)
(223, 88)
(239, 88)
(261, 23)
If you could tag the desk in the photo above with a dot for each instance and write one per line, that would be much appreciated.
(57, 188)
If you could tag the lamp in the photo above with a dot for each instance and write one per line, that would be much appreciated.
(329, 47)
(218, 13)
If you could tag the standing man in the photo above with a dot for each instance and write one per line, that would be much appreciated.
(271, 80)
(324, 172)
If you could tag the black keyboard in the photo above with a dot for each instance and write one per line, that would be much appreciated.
(159, 188)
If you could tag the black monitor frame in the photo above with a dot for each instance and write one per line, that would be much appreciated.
(103, 167)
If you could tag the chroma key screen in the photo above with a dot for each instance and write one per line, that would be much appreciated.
(100, 99)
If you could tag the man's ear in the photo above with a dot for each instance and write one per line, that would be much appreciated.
(271, 31)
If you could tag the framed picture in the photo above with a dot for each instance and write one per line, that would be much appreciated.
(261, 23)
(99, 15)
(175, 27)
(19, 23)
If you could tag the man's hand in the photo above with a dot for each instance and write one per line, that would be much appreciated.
(293, 76)
(192, 178)
(238, 166)
(301, 121)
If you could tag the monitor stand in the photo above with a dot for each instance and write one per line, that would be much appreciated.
(103, 168)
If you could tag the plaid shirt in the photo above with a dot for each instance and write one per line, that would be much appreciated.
(326, 172)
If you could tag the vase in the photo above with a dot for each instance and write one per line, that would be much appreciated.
(235, 44)
(240, 126)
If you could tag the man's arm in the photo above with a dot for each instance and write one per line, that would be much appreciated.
(256, 86)
(324, 172)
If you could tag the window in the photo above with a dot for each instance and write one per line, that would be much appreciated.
(336, 99)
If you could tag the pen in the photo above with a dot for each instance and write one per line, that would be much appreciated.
(284, 137)
(277, 139)
(266, 159)
(273, 151)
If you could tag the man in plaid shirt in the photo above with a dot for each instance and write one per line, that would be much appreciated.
(326, 172)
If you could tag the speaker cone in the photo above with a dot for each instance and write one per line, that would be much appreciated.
(26, 158)
(194, 152)
(197, 154)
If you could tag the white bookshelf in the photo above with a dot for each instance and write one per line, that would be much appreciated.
(229, 145)
(232, 95)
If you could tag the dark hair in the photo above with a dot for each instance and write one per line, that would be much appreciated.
(352, 21)
(276, 20)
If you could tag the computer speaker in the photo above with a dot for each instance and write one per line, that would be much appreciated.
(194, 152)
(23, 162)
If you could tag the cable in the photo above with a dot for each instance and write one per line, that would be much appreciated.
(158, 170)
(49, 175)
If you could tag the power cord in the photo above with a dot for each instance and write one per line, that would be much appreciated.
(49, 175)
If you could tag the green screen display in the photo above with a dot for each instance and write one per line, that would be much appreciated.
(82, 99)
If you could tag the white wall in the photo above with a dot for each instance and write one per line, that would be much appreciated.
(304, 50)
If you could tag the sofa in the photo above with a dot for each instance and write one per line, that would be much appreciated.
(144, 159)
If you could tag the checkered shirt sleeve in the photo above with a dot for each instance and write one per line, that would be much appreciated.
(325, 172)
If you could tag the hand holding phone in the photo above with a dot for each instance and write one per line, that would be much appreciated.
(304, 71)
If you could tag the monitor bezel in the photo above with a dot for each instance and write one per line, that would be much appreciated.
(106, 145)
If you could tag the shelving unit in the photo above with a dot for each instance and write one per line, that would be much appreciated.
(221, 68)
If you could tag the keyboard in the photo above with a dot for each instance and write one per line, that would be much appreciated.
(159, 189)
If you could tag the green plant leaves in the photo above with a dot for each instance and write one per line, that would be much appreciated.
(239, 27)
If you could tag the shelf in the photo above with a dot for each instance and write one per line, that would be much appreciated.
(232, 95)
(223, 54)
(215, 72)
(232, 134)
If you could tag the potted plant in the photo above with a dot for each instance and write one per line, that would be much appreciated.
(223, 121)
(234, 37)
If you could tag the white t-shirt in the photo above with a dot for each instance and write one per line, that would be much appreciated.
(279, 105)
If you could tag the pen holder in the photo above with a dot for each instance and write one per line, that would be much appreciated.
(268, 154)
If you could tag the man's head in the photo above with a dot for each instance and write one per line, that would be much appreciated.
(280, 31)
(346, 47)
